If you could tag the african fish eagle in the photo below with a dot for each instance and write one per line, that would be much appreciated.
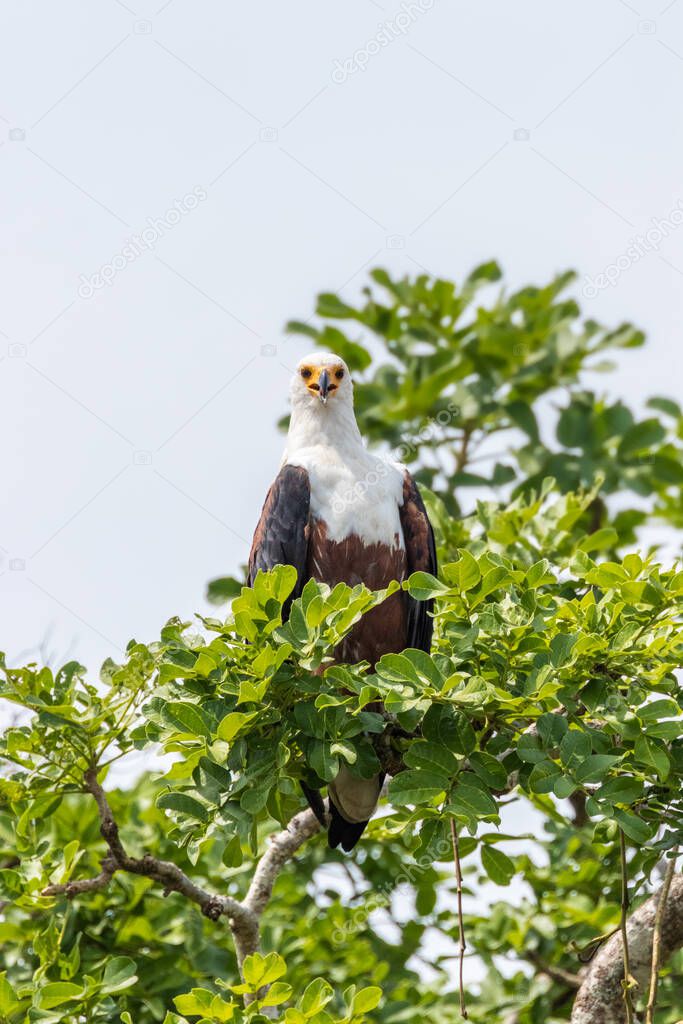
(338, 513)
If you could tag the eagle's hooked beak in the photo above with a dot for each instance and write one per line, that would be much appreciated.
(324, 386)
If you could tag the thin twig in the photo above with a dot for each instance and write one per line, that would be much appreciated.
(461, 923)
(657, 940)
(628, 1002)
(462, 453)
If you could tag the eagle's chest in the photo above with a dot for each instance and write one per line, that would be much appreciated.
(355, 497)
(354, 535)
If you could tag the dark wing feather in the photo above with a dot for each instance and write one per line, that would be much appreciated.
(421, 557)
(281, 537)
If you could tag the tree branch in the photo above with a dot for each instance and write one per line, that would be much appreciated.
(244, 916)
(600, 997)
(71, 889)
(283, 846)
(462, 453)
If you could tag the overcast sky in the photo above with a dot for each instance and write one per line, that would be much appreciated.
(256, 154)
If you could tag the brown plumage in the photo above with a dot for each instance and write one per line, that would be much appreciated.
(376, 565)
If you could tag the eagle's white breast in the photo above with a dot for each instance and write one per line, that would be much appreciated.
(353, 492)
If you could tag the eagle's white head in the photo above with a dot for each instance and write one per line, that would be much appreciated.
(322, 404)
(322, 377)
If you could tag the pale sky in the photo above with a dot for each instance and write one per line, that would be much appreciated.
(303, 144)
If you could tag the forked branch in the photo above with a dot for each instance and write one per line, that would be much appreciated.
(243, 915)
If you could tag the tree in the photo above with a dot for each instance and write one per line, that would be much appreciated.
(552, 682)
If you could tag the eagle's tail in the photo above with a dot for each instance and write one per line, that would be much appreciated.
(342, 832)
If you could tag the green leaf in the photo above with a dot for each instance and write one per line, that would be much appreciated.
(186, 718)
(529, 749)
(463, 574)
(489, 769)
(633, 827)
(656, 709)
(575, 746)
(261, 970)
(543, 777)
(316, 997)
(323, 760)
(665, 405)
(472, 800)
(640, 438)
(183, 804)
(366, 999)
(196, 1002)
(119, 973)
(485, 273)
(539, 574)
(415, 787)
(651, 752)
(621, 790)
(432, 757)
(561, 647)
(600, 540)
(229, 726)
(523, 416)
(423, 586)
(497, 865)
(58, 992)
(595, 767)
(8, 999)
(491, 581)
(278, 993)
(222, 590)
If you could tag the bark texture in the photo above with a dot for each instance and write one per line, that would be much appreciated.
(600, 999)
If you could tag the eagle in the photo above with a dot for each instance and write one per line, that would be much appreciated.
(340, 514)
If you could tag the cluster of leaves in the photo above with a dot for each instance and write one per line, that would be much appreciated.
(97, 998)
(552, 675)
(263, 988)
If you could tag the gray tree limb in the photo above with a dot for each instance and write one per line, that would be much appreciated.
(600, 997)
(283, 846)
(244, 916)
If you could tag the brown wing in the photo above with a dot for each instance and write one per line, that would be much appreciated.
(421, 557)
(281, 537)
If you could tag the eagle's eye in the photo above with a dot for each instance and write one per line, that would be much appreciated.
(306, 373)
(339, 374)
